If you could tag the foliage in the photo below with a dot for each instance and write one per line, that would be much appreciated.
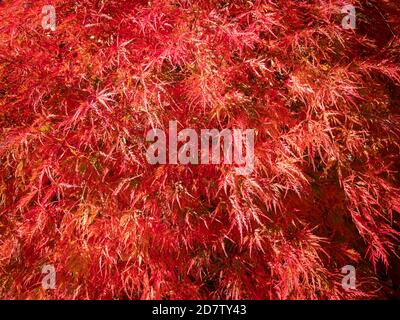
(77, 192)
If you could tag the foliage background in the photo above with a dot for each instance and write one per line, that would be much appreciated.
(76, 191)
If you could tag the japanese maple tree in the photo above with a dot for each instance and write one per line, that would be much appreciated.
(76, 190)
